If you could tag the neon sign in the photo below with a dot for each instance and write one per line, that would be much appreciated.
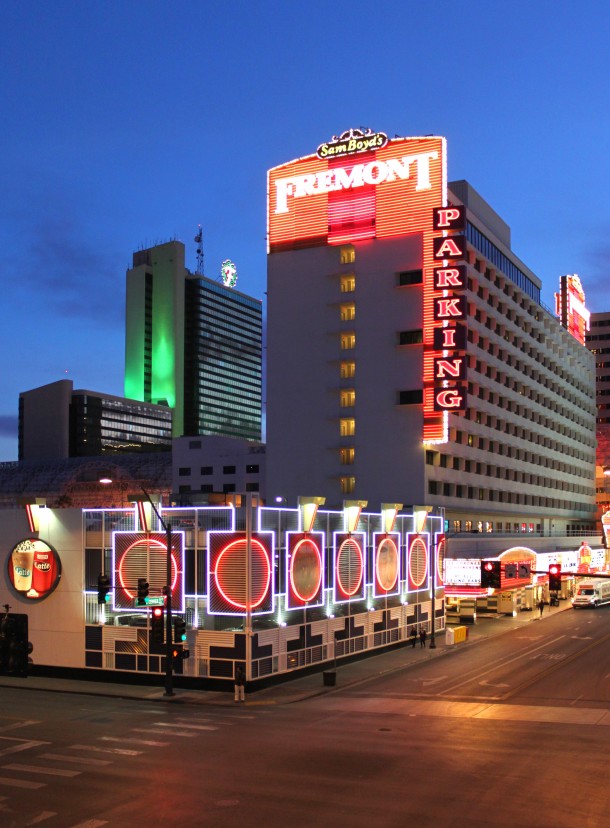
(449, 309)
(305, 569)
(351, 142)
(144, 555)
(231, 558)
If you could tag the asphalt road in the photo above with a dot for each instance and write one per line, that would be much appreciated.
(513, 731)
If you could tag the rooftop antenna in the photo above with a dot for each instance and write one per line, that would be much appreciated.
(199, 240)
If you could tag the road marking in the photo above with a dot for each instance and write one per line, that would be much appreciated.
(38, 769)
(529, 653)
(83, 760)
(41, 817)
(490, 684)
(117, 751)
(183, 724)
(91, 823)
(18, 724)
(21, 783)
(123, 741)
(173, 733)
(24, 744)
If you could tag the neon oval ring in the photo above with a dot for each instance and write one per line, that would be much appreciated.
(227, 550)
(392, 551)
(418, 541)
(440, 554)
(349, 543)
(298, 550)
(149, 543)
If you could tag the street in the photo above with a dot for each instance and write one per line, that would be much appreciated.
(512, 731)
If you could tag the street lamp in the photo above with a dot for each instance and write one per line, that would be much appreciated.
(167, 589)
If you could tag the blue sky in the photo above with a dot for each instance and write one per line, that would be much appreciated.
(129, 123)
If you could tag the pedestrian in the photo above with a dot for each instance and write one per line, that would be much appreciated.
(541, 606)
(422, 637)
(240, 684)
(413, 636)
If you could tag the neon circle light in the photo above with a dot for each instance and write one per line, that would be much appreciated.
(418, 562)
(306, 570)
(136, 559)
(349, 567)
(440, 561)
(230, 573)
(386, 564)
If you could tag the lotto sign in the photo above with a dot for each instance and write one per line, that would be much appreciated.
(417, 561)
(349, 566)
(387, 564)
(305, 569)
(233, 561)
(144, 555)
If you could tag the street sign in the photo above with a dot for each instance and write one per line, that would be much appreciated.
(151, 601)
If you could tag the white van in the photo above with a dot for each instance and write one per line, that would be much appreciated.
(592, 593)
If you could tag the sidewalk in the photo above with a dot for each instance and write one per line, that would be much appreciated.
(297, 689)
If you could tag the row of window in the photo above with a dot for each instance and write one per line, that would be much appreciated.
(208, 488)
(501, 496)
(456, 463)
(186, 471)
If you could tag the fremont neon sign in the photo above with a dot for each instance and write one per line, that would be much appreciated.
(341, 178)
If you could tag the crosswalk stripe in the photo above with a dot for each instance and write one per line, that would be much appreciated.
(41, 817)
(21, 783)
(123, 741)
(91, 823)
(174, 732)
(182, 724)
(38, 769)
(83, 760)
(118, 751)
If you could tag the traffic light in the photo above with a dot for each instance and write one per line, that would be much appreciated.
(103, 588)
(555, 578)
(179, 654)
(143, 588)
(491, 574)
(179, 630)
(157, 626)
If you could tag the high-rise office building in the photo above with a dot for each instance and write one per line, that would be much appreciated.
(409, 356)
(193, 344)
(56, 422)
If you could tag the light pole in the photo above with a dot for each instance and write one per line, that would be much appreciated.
(167, 589)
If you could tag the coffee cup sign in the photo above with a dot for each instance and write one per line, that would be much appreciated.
(34, 568)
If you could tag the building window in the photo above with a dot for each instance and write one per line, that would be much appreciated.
(347, 426)
(184, 471)
(252, 469)
(184, 489)
(347, 254)
(415, 337)
(228, 470)
(348, 312)
(347, 398)
(414, 397)
(252, 486)
(347, 369)
(228, 487)
(348, 484)
(347, 456)
(207, 488)
(348, 340)
(410, 277)
(348, 283)
(207, 470)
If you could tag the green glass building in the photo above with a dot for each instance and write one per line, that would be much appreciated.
(193, 344)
